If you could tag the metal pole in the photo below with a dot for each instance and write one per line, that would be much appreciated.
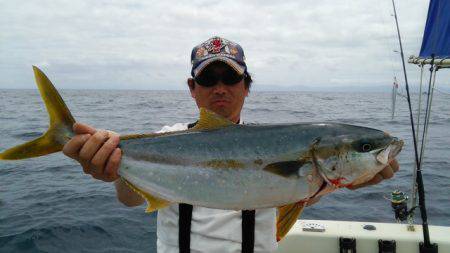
(419, 110)
(427, 114)
(426, 234)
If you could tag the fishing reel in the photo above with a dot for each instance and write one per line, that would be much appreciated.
(399, 205)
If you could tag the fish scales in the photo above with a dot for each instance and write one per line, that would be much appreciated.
(214, 188)
(234, 142)
(179, 167)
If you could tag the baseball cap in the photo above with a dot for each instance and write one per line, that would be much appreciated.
(217, 49)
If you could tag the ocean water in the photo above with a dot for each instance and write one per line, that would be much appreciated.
(48, 205)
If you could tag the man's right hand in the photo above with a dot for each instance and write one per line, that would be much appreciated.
(96, 150)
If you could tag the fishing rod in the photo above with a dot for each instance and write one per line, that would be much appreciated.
(427, 247)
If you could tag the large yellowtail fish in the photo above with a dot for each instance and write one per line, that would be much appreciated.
(219, 164)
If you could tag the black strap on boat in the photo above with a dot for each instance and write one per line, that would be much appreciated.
(347, 245)
(248, 231)
(387, 246)
(184, 226)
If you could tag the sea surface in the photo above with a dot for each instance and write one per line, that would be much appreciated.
(47, 204)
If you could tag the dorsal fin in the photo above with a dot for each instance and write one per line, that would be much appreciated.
(209, 120)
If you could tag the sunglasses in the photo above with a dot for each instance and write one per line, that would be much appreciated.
(211, 78)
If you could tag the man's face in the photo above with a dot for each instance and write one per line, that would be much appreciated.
(225, 100)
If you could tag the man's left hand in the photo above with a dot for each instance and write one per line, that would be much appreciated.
(386, 173)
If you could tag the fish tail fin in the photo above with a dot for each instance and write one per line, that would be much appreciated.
(59, 131)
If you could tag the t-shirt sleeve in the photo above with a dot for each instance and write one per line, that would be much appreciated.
(175, 127)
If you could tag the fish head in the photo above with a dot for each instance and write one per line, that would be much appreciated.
(355, 157)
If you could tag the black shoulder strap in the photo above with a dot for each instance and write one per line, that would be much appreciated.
(184, 232)
(184, 222)
(248, 231)
(184, 226)
(248, 228)
(191, 125)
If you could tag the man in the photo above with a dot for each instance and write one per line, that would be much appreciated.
(220, 82)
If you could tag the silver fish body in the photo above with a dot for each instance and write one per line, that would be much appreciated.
(233, 167)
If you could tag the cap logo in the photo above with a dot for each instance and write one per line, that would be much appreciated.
(214, 46)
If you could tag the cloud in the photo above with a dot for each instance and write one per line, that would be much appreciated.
(132, 44)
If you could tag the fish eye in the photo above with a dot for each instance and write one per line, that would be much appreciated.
(366, 147)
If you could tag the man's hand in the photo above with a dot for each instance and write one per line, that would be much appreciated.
(386, 173)
(96, 151)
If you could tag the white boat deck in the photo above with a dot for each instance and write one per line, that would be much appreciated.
(299, 240)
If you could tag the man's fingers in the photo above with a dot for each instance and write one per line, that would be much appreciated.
(96, 151)
(85, 167)
(72, 147)
(101, 157)
(387, 172)
(80, 128)
(113, 164)
(375, 180)
(394, 165)
(91, 147)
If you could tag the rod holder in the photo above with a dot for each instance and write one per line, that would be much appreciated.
(432, 248)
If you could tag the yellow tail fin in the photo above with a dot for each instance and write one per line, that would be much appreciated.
(59, 131)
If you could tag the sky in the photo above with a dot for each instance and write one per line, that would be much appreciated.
(136, 44)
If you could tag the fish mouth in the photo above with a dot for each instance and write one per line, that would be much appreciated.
(396, 146)
(388, 154)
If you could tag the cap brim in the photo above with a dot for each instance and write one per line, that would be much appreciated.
(232, 63)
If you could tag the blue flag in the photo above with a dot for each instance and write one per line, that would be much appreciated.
(436, 38)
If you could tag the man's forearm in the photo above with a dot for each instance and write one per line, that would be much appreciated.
(126, 195)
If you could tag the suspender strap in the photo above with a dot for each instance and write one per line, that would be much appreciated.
(248, 231)
(184, 224)
(191, 125)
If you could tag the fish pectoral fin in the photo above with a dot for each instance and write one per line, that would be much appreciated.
(287, 216)
(153, 203)
(286, 168)
(209, 120)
